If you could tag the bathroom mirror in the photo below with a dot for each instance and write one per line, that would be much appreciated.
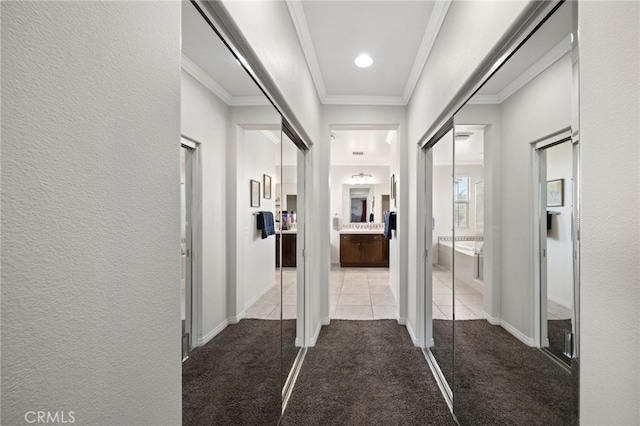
(360, 204)
(514, 304)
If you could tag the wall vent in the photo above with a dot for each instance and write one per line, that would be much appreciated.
(357, 152)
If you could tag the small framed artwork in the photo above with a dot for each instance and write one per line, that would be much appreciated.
(255, 193)
(266, 185)
(555, 193)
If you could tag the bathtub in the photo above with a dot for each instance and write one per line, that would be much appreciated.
(468, 261)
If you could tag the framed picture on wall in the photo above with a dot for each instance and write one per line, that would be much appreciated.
(555, 193)
(266, 184)
(255, 193)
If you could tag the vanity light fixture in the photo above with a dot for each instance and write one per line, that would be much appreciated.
(363, 61)
(361, 178)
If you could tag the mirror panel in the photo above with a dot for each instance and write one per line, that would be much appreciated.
(439, 178)
(234, 374)
(512, 285)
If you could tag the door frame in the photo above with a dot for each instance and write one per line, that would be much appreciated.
(195, 338)
(540, 225)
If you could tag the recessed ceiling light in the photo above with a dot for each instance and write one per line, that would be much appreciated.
(363, 61)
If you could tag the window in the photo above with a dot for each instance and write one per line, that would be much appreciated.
(461, 202)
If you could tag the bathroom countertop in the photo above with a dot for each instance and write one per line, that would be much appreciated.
(361, 231)
(287, 231)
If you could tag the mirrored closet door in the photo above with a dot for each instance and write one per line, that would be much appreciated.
(515, 332)
(250, 171)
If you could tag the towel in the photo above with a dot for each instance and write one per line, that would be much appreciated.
(389, 224)
(266, 224)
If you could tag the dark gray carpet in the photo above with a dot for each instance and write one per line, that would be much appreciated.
(235, 379)
(366, 373)
(501, 381)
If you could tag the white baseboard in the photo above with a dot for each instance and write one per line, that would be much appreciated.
(492, 320)
(326, 321)
(529, 341)
(236, 319)
(402, 321)
(298, 342)
(416, 341)
(432, 343)
(314, 339)
(213, 333)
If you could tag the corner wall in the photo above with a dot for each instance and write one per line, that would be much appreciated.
(91, 211)
(610, 155)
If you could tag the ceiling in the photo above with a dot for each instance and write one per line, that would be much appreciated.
(376, 151)
(398, 35)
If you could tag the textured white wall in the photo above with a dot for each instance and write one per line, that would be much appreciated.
(609, 291)
(91, 211)
(204, 119)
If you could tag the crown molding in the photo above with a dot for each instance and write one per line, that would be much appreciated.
(439, 13)
(364, 100)
(549, 58)
(304, 36)
(207, 81)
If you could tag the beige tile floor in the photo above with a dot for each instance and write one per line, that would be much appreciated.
(468, 301)
(361, 294)
(365, 294)
(269, 306)
(556, 311)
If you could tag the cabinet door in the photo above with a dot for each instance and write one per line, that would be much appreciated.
(377, 251)
(350, 250)
(289, 250)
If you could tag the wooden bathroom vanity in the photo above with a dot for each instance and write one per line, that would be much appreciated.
(363, 249)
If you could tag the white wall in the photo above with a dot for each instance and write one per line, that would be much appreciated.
(204, 119)
(91, 211)
(559, 241)
(609, 291)
(240, 220)
(539, 109)
(259, 273)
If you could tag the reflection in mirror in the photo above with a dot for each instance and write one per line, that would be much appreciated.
(233, 375)
(440, 183)
(289, 205)
(520, 282)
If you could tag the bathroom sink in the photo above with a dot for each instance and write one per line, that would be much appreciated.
(361, 231)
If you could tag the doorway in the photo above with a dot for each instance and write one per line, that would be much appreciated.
(187, 153)
(557, 251)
